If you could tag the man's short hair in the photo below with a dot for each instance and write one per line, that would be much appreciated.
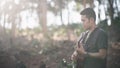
(89, 12)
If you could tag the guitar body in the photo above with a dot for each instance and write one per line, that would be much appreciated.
(79, 62)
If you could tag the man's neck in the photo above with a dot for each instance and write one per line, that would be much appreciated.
(92, 28)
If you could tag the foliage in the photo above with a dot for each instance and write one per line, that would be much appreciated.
(77, 28)
(117, 21)
(66, 64)
(61, 30)
(103, 24)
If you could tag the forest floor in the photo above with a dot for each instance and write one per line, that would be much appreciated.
(49, 53)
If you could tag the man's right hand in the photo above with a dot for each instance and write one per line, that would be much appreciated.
(74, 56)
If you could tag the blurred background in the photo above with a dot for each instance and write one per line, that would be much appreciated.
(40, 33)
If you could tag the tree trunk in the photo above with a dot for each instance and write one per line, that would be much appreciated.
(117, 7)
(43, 15)
(91, 3)
(13, 27)
(61, 17)
(84, 3)
(114, 31)
(111, 10)
(68, 30)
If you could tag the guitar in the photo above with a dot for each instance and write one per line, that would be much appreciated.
(80, 59)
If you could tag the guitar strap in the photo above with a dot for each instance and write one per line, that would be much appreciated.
(82, 39)
(86, 36)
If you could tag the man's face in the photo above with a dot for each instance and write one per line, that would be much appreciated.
(85, 22)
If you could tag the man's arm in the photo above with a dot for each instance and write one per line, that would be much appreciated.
(101, 54)
(102, 44)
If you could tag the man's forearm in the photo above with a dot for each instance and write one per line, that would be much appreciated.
(101, 54)
(96, 55)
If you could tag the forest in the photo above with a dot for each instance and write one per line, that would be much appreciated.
(42, 33)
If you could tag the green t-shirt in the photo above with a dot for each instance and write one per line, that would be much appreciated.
(92, 45)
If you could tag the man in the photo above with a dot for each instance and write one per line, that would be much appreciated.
(92, 45)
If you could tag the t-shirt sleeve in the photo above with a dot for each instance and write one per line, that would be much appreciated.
(102, 41)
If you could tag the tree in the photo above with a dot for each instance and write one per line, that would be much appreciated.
(43, 15)
(84, 2)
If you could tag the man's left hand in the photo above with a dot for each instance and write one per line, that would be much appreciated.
(81, 50)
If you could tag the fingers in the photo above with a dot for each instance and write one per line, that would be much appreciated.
(74, 56)
(80, 45)
(80, 50)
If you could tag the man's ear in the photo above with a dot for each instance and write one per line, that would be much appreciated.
(91, 19)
